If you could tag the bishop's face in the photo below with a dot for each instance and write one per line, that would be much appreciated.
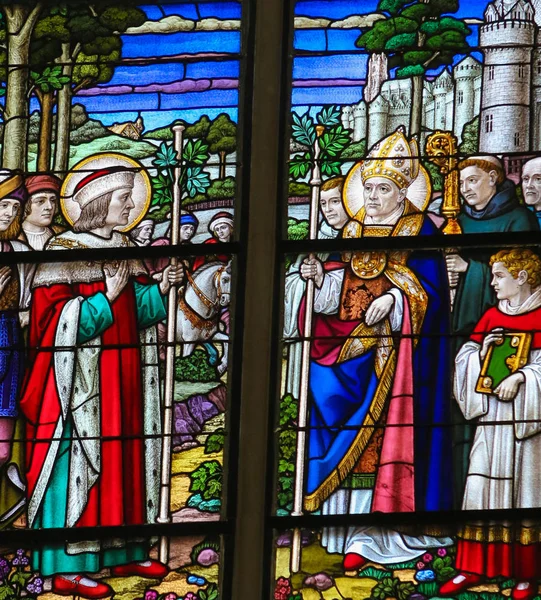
(382, 197)
(8, 212)
(120, 207)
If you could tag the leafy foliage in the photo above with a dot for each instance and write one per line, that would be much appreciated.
(392, 587)
(287, 445)
(207, 480)
(215, 442)
(443, 568)
(211, 593)
(355, 150)
(195, 368)
(297, 230)
(470, 138)
(416, 36)
(49, 79)
(298, 189)
(331, 143)
(435, 175)
(219, 189)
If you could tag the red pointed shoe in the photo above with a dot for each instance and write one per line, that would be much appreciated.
(524, 590)
(353, 562)
(150, 568)
(74, 587)
(459, 583)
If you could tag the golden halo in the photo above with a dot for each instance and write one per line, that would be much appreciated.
(419, 192)
(141, 194)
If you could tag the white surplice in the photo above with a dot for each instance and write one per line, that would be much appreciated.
(505, 459)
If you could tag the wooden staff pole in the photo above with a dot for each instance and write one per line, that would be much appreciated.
(298, 494)
(164, 515)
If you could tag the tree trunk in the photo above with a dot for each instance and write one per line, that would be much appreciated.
(222, 164)
(416, 115)
(45, 130)
(63, 115)
(20, 21)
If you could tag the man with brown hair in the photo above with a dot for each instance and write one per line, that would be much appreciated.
(39, 211)
(490, 206)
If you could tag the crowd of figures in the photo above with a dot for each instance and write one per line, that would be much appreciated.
(80, 400)
(397, 419)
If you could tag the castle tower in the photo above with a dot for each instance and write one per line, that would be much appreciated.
(347, 117)
(465, 75)
(507, 39)
(443, 84)
(378, 113)
(359, 121)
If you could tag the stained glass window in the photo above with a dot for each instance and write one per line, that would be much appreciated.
(120, 127)
(406, 434)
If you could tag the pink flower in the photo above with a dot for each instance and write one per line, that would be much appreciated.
(190, 596)
(171, 596)
(427, 557)
(151, 595)
(420, 565)
(442, 552)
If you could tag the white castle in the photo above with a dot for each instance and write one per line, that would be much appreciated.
(504, 90)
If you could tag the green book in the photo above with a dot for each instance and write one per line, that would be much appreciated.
(503, 359)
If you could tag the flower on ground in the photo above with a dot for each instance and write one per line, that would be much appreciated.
(427, 557)
(442, 552)
(420, 565)
(190, 596)
(171, 596)
(282, 589)
(151, 595)
(4, 568)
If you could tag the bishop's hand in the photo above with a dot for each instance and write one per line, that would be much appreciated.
(312, 268)
(379, 309)
(115, 281)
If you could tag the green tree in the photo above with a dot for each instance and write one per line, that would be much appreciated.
(470, 138)
(18, 22)
(199, 130)
(416, 36)
(221, 138)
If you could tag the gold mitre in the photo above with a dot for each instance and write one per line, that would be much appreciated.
(394, 158)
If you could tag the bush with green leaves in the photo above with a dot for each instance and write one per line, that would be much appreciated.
(206, 485)
(287, 446)
(331, 143)
(392, 587)
(215, 441)
(355, 150)
(193, 179)
(298, 189)
(195, 368)
(219, 189)
(297, 230)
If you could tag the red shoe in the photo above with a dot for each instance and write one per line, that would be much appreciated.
(74, 587)
(150, 568)
(353, 561)
(527, 592)
(454, 587)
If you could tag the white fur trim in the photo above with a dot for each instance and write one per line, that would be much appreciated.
(104, 185)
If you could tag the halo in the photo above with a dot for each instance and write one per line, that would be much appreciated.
(141, 194)
(419, 192)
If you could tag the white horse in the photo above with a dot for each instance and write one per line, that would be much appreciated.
(207, 291)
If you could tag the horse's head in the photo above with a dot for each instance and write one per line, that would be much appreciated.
(223, 285)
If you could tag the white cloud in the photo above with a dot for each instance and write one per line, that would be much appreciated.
(310, 23)
(213, 24)
(177, 24)
(357, 21)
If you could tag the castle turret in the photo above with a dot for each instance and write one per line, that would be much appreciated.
(378, 112)
(443, 85)
(506, 39)
(347, 117)
(466, 74)
(359, 121)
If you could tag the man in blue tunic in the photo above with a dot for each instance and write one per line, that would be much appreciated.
(371, 365)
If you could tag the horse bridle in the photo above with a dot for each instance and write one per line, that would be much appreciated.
(201, 294)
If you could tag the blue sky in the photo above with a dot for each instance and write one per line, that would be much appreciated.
(343, 60)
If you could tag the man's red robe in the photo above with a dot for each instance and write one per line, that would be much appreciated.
(118, 496)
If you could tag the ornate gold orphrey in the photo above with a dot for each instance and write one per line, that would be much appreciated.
(441, 148)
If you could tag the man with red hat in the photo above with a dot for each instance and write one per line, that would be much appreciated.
(94, 413)
(221, 230)
(43, 192)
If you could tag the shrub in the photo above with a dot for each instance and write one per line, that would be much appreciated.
(206, 480)
(297, 189)
(297, 230)
(195, 368)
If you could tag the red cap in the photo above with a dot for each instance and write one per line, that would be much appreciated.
(42, 183)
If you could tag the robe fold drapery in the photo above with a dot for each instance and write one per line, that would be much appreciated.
(504, 461)
(91, 401)
(355, 380)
